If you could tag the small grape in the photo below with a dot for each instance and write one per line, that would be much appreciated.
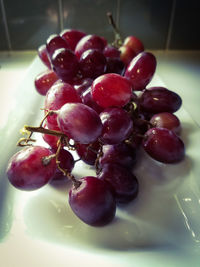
(93, 202)
(44, 81)
(164, 145)
(124, 183)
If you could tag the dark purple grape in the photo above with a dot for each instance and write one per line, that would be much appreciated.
(79, 122)
(117, 125)
(141, 70)
(93, 201)
(166, 120)
(31, 168)
(121, 154)
(88, 100)
(65, 64)
(159, 99)
(82, 85)
(92, 63)
(163, 145)
(88, 152)
(111, 52)
(115, 65)
(55, 42)
(72, 37)
(124, 183)
(66, 162)
(89, 42)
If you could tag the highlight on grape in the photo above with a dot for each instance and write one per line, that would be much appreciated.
(97, 103)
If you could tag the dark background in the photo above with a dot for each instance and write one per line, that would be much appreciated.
(170, 24)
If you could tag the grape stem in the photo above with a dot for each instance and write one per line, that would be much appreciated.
(118, 39)
(75, 182)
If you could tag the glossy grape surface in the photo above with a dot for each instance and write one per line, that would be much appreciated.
(44, 81)
(93, 202)
(111, 90)
(65, 64)
(79, 122)
(57, 96)
(117, 125)
(166, 120)
(141, 69)
(55, 42)
(43, 54)
(159, 99)
(126, 55)
(121, 154)
(30, 168)
(163, 145)
(89, 42)
(92, 63)
(134, 43)
(72, 37)
(124, 183)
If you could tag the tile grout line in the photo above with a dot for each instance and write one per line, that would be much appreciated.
(6, 25)
(171, 22)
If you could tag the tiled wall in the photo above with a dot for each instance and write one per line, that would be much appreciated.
(169, 24)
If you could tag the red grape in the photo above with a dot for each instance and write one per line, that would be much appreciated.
(92, 63)
(89, 42)
(111, 52)
(72, 37)
(88, 100)
(79, 122)
(123, 182)
(65, 64)
(166, 120)
(163, 145)
(43, 54)
(88, 152)
(111, 89)
(55, 42)
(93, 202)
(159, 99)
(115, 65)
(44, 81)
(127, 54)
(82, 85)
(57, 96)
(66, 162)
(30, 168)
(120, 154)
(141, 70)
(134, 43)
(117, 125)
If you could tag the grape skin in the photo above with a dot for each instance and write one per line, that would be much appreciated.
(79, 122)
(27, 169)
(93, 201)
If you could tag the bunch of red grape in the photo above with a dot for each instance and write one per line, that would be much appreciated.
(97, 103)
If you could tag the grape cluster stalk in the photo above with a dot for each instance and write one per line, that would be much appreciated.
(97, 102)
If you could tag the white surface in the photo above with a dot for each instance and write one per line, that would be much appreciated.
(161, 228)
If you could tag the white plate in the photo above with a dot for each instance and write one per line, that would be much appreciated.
(160, 228)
